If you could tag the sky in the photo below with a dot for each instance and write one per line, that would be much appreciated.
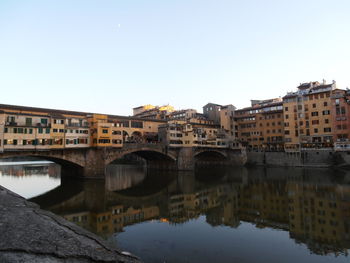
(108, 56)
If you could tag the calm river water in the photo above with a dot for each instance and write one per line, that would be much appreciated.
(222, 215)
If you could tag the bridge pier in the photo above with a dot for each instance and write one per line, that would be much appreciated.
(185, 160)
(95, 166)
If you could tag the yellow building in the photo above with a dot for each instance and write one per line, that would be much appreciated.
(43, 129)
(307, 117)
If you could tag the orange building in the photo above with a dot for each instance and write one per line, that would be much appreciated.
(307, 117)
(260, 127)
(340, 112)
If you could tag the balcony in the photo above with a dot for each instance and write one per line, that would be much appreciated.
(42, 125)
(11, 123)
(77, 125)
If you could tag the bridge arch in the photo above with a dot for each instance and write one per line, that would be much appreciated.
(216, 152)
(145, 153)
(210, 157)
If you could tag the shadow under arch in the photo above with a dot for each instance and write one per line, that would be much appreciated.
(210, 158)
(153, 158)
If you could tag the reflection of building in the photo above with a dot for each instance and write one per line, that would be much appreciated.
(50, 169)
(319, 216)
(114, 219)
(314, 209)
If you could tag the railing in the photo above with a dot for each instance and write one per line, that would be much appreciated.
(11, 123)
(77, 125)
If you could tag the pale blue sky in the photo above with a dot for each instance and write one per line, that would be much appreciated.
(110, 56)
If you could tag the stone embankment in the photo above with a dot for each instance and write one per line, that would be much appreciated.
(310, 158)
(29, 234)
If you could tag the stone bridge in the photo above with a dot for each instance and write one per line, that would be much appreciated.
(92, 162)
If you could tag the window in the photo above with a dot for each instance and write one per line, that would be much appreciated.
(326, 121)
(43, 121)
(315, 122)
(104, 141)
(136, 124)
(287, 116)
(314, 105)
(314, 113)
(104, 131)
(40, 130)
(47, 130)
(327, 129)
(325, 103)
(315, 130)
(326, 112)
(342, 110)
(28, 121)
(285, 108)
(6, 130)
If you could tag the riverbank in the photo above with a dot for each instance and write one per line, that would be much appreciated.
(30, 234)
(308, 158)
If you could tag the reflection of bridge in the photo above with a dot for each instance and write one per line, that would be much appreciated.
(274, 197)
(91, 162)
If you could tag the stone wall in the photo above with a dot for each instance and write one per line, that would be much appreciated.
(314, 158)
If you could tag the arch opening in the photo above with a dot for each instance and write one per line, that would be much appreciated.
(210, 159)
(149, 158)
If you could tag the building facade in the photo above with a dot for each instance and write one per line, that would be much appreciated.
(307, 117)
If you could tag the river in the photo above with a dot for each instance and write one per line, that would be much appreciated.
(220, 215)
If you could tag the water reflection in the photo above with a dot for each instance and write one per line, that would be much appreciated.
(228, 215)
(313, 205)
(30, 178)
(121, 177)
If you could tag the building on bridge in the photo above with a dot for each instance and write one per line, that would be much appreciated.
(179, 133)
(153, 112)
(28, 128)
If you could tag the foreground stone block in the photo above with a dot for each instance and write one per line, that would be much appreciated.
(29, 234)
